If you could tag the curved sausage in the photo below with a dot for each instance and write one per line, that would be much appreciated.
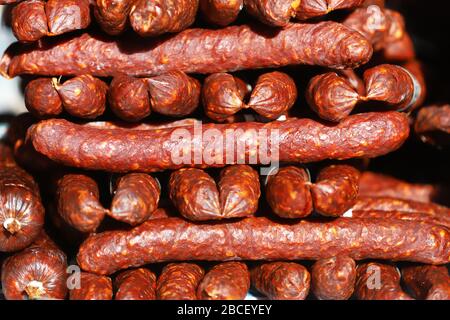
(263, 239)
(281, 280)
(137, 284)
(28, 20)
(221, 12)
(179, 281)
(427, 282)
(432, 125)
(41, 98)
(225, 281)
(333, 278)
(92, 287)
(112, 15)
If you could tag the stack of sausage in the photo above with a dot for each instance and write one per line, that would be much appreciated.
(118, 204)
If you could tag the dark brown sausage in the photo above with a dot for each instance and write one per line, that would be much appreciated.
(432, 125)
(92, 287)
(427, 282)
(335, 190)
(225, 281)
(112, 15)
(135, 198)
(377, 281)
(21, 209)
(221, 12)
(42, 99)
(179, 281)
(174, 93)
(137, 284)
(153, 18)
(281, 280)
(374, 184)
(233, 48)
(274, 94)
(288, 192)
(333, 278)
(273, 12)
(35, 273)
(262, 239)
(299, 140)
(128, 98)
(83, 96)
(78, 202)
(28, 20)
(67, 15)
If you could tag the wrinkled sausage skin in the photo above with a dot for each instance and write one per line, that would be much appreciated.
(179, 281)
(137, 284)
(427, 282)
(92, 287)
(220, 12)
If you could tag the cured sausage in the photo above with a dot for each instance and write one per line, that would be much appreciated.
(179, 281)
(197, 197)
(78, 202)
(137, 284)
(35, 273)
(225, 281)
(135, 199)
(427, 282)
(296, 140)
(112, 15)
(229, 49)
(221, 12)
(377, 281)
(333, 278)
(21, 209)
(281, 280)
(263, 239)
(432, 125)
(92, 287)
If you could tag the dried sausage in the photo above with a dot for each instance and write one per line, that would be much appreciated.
(21, 209)
(297, 140)
(432, 125)
(221, 12)
(281, 280)
(112, 15)
(377, 281)
(29, 22)
(427, 282)
(35, 273)
(92, 287)
(333, 278)
(273, 13)
(233, 48)
(197, 197)
(41, 98)
(225, 281)
(153, 18)
(135, 198)
(263, 239)
(179, 281)
(78, 202)
(137, 284)
(315, 8)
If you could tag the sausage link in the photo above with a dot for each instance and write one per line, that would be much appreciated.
(41, 98)
(78, 202)
(333, 278)
(135, 198)
(274, 94)
(262, 239)
(222, 96)
(400, 50)
(315, 8)
(112, 15)
(374, 184)
(221, 12)
(21, 209)
(335, 190)
(120, 149)
(92, 287)
(179, 281)
(153, 18)
(427, 282)
(128, 98)
(288, 193)
(432, 125)
(377, 281)
(233, 48)
(137, 284)
(281, 280)
(174, 93)
(28, 20)
(225, 281)
(35, 273)
(273, 12)
(67, 15)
